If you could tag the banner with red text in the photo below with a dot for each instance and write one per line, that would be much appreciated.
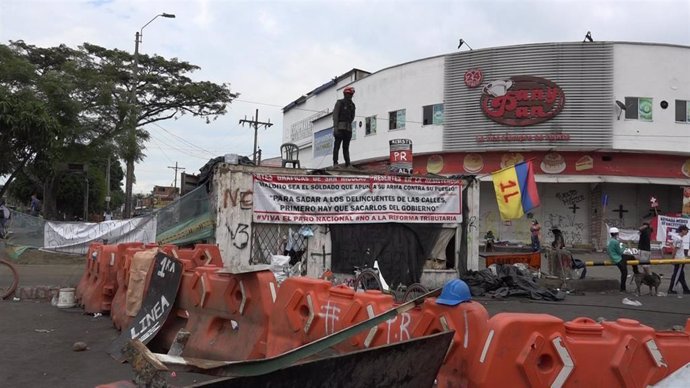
(352, 200)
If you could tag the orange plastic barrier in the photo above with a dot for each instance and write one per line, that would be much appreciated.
(200, 255)
(308, 309)
(118, 307)
(227, 313)
(91, 258)
(468, 320)
(539, 350)
(102, 279)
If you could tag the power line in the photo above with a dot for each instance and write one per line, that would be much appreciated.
(181, 139)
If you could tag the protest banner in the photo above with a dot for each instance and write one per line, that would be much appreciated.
(356, 199)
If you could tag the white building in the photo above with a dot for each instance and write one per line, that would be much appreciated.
(606, 124)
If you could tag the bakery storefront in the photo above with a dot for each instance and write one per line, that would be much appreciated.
(551, 104)
(580, 192)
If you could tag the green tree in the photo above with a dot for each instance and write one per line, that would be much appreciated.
(60, 101)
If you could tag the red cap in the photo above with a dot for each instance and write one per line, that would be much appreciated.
(349, 90)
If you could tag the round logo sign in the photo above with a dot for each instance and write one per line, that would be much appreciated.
(522, 100)
(473, 78)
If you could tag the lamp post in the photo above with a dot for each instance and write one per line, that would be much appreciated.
(133, 116)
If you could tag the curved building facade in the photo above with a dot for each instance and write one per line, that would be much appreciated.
(606, 125)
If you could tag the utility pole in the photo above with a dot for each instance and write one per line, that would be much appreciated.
(255, 122)
(107, 186)
(176, 168)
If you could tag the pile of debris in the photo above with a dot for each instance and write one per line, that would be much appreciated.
(502, 280)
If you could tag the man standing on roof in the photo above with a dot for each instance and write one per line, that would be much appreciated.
(343, 115)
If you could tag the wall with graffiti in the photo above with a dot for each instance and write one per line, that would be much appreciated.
(565, 206)
(234, 203)
(572, 207)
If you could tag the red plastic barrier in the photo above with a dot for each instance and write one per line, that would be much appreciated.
(102, 282)
(200, 255)
(539, 350)
(228, 313)
(118, 308)
(308, 309)
(91, 257)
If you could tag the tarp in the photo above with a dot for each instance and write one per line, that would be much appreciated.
(508, 281)
(75, 237)
(187, 220)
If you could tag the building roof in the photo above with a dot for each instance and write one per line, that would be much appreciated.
(323, 87)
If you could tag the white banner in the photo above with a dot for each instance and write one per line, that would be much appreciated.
(666, 226)
(75, 237)
(351, 200)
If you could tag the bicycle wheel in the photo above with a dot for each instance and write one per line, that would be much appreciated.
(415, 290)
(368, 279)
(9, 279)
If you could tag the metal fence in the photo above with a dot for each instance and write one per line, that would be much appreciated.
(278, 239)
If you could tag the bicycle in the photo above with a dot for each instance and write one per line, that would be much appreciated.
(370, 279)
(367, 279)
(9, 279)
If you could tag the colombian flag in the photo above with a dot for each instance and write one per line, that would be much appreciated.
(516, 190)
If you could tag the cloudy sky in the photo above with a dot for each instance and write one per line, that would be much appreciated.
(272, 52)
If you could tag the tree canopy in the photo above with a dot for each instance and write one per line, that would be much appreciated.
(62, 105)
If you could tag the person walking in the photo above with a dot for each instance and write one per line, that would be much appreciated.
(614, 248)
(35, 206)
(678, 276)
(535, 230)
(4, 218)
(343, 115)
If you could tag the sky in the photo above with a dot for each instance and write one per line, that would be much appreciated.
(272, 52)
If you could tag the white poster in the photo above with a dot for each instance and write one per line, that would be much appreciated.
(345, 200)
(667, 226)
(75, 237)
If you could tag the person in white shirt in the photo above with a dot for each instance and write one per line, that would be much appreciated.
(678, 276)
(108, 215)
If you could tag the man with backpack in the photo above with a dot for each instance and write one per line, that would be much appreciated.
(343, 115)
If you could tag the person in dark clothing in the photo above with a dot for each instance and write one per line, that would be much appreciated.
(558, 240)
(645, 245)
(343, 115)
(535, 231)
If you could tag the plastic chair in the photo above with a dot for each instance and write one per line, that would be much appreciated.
(289, 152)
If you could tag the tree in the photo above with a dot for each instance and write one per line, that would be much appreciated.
(56, 102)
(163, 91)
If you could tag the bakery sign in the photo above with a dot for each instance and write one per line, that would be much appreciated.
(522, 100)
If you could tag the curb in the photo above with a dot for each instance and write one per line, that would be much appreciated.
(44, 293)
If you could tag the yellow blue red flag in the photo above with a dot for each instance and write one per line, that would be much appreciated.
(516, 190)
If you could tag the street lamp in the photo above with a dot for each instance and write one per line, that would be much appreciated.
(133, 116)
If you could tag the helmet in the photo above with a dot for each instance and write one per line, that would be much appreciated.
(454, 292)
(614, 230)
(349, 90)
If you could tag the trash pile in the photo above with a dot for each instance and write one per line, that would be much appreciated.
(508, 280)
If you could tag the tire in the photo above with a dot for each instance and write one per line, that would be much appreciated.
(413, 291)
(368, 279)
(9, 279)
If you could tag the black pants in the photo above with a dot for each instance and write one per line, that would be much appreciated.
(623, 267)
(678, 276)
(343, 137)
